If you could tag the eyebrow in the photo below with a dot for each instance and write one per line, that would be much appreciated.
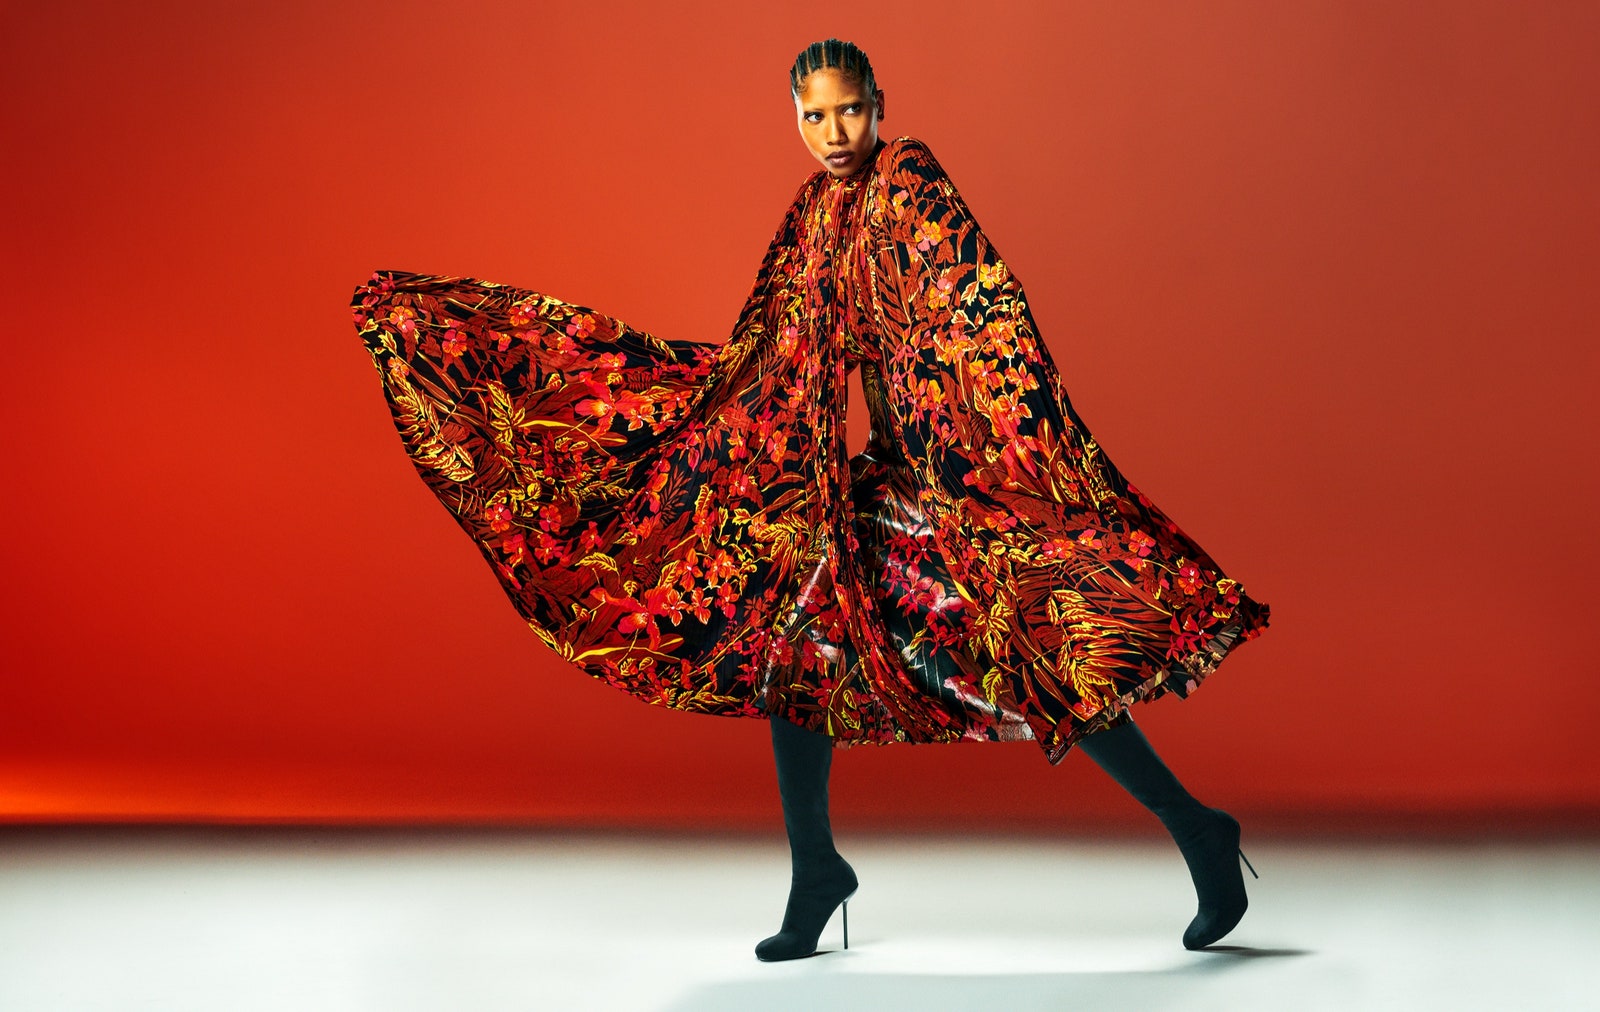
(841, 105)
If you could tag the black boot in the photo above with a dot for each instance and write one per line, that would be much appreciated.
(821, 879)
(1207, 837)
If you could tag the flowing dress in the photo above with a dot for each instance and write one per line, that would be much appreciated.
(682, 520)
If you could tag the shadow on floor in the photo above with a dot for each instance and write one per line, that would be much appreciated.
(834, 987)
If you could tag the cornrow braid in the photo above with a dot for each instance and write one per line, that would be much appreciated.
(845, 57)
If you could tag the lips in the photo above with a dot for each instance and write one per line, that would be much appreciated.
(840, 157)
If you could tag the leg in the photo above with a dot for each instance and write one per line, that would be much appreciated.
(821, 879)
(1207, 837)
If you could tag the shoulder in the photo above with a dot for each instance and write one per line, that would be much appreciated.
(904, 146)
(908, 153)
(907, 164)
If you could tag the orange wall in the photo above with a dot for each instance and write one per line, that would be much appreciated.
(1321, 276)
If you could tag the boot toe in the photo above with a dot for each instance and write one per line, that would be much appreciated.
(781, 946)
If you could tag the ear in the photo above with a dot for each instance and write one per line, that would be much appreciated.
(878, 98)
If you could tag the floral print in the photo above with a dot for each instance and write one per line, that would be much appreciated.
(681, 519)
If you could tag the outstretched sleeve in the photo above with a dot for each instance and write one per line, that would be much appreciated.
(1087, 597)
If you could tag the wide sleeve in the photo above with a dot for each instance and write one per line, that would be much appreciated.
(1086, 596)
(976, 404)
(654, 509)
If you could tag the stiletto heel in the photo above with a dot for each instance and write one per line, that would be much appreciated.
(845, 912)
(1247, 864)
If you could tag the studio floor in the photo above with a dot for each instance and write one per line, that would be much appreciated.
(480, 920)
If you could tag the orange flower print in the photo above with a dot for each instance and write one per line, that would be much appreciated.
(929, 234)
(1018, 457)
(581, 326)
(990, 275)
(499, 517)
(523, 314)
(1140, 544)
(404, 319)
(1091, 539)
(606, 403)
(635, 408)
(1006, 412)
(551, 517)
(599, 406)
(982, 372)
(722, 567)
(560, 348)
(453, 343)
(1056, 548)
(637, 616)
(1002, 336)
(1000, 521)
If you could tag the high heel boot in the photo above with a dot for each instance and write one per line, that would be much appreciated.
(1207, 837)
(820, 880)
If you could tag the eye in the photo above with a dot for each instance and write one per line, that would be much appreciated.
(813, 117)
(853, 108)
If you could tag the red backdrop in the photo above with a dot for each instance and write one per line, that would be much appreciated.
(1321, 276)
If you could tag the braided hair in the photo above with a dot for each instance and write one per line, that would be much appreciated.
(845, 57)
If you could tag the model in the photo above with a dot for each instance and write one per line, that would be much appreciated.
(681, 519)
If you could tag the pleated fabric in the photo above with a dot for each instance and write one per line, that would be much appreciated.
(681, 519)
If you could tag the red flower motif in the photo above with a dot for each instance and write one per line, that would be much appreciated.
(515, 547)
(1056, 548)
(454, 343)
(1189, 577)
(1006, 412)
(602, 405)
(499, 517)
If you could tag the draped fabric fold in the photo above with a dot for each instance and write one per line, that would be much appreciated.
(681, 519)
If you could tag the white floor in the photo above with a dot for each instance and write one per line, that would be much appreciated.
(177, 919)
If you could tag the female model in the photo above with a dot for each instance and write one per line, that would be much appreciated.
(681, 519)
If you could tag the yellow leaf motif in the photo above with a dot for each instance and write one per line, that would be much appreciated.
(505, 418)
(1093, 469)
(993, 681)
(994, 626)
(599, 559)
(419, 427)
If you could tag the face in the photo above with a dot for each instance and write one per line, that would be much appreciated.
(838, 120)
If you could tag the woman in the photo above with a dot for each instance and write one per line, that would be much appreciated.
(681, 519)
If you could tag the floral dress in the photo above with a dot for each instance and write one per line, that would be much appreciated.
(682, 520)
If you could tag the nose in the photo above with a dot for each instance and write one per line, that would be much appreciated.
(836, 134)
